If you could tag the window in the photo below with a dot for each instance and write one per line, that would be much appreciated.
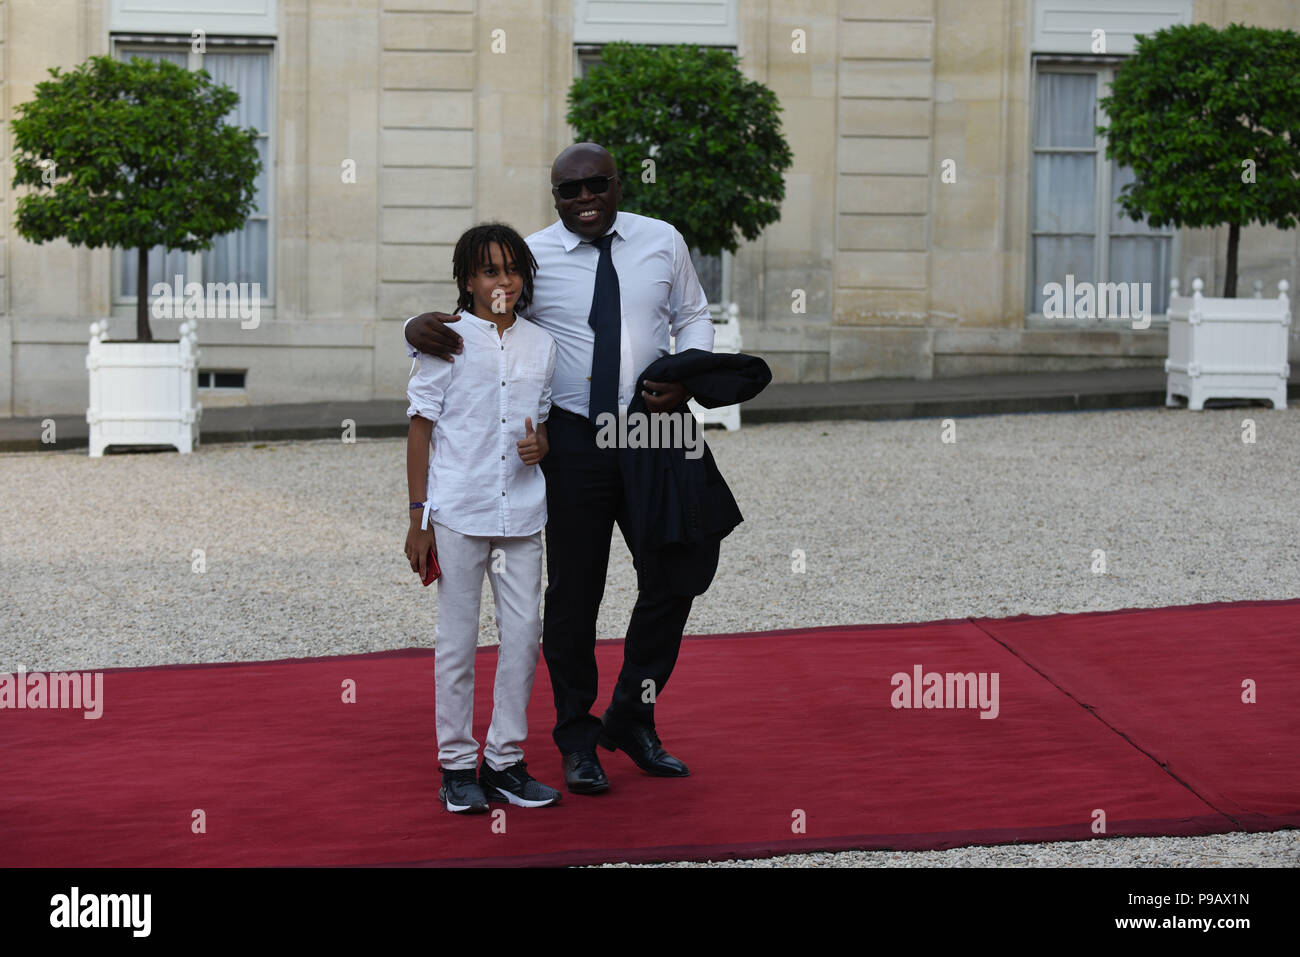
(213, 379)
(1077, 225)
(714, 272)
(245, 254)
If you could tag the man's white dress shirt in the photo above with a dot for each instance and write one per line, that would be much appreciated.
(659, 295)
(478, 485)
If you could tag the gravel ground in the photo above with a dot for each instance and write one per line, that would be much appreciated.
(300, 545)
(1275, 849)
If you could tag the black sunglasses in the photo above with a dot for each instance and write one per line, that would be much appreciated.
(594, 184)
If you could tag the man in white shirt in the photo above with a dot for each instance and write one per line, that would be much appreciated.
(610, 289)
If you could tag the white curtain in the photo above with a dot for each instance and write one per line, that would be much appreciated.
(1065, 197)
(1138, 258)
(709, 271)
(1065, 110)
(243, 255)
(1064, 183)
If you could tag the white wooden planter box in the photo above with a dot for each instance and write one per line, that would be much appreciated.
(1227, 348)
(143, 393)
(726, 338)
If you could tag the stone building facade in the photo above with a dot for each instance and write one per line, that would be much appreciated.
(940, 175)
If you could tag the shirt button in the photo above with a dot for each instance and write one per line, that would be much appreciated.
(503, 420)
(503, 381)
(503, 491)
(503, 458)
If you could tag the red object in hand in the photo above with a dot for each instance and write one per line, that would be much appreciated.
(431, 574)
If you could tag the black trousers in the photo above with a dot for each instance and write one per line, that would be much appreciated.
(584, 500)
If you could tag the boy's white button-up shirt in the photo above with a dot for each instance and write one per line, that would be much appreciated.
(478, 485)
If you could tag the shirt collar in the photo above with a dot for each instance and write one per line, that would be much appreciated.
(487, 323)
(571, 239)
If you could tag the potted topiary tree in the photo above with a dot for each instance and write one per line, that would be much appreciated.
(1208, 121)
(688, 114)
(134, 155)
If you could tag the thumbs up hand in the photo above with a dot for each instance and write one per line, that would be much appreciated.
(533, 446)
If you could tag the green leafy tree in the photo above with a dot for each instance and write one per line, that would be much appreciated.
(714, 136)
(132, 155)
(1209, 120)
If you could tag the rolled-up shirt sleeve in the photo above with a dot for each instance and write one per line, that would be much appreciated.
(427, 387)
(689, 318)
(544, 403)
(410, 349)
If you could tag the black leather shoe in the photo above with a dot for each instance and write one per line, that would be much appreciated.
(583, 773)
(640, 743)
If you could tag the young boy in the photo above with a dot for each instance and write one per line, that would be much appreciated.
(480, 505)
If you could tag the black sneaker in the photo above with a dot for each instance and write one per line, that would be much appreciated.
(516, 786)
(460, 792)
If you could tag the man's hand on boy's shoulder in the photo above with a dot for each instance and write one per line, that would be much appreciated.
(428, 333)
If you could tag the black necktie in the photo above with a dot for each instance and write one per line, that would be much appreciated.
(605, 322)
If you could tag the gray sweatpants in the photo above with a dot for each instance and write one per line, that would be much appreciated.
(514, 567)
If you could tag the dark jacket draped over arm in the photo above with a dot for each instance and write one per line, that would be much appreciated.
(681, 508)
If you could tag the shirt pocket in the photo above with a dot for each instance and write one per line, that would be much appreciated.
(527, 383)
(529, 371)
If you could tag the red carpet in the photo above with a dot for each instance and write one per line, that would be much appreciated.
(781, 729)
(1172, 681)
